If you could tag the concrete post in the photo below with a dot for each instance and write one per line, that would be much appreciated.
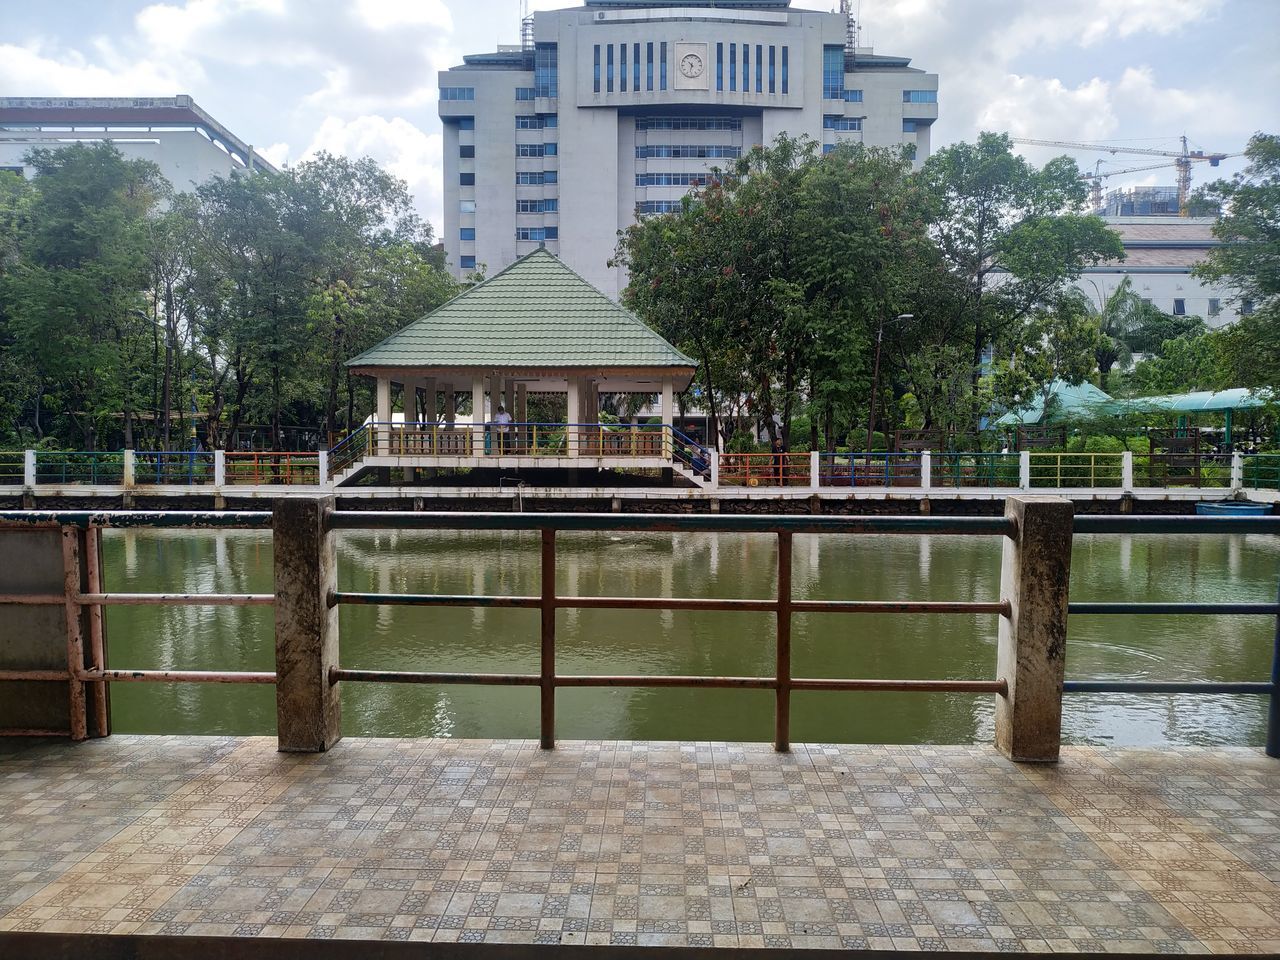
(382, 416)
(450, 405)
(477, 416)
(1237, 472)
(128, 472)
(1126, 472)
(572, 415)
(1024, 469)
(668, 412)
(308, 707)
(323, 470)
(815, 475)
(29, 469)
(220, 469)
(1032, 645)
(715, 468)
(926, 470)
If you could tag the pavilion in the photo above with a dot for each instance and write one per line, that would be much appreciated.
(536, 329)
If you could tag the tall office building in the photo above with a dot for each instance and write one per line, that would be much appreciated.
(616, 109)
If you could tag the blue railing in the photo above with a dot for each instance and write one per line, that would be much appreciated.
(173, 467)
(91, 467)
(875, 469)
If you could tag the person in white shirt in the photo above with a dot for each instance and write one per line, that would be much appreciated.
(503, 421)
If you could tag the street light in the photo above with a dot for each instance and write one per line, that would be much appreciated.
(875, 376)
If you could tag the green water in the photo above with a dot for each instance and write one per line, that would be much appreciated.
(1148, 568)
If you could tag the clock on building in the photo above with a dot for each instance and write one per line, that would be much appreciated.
(691, 65)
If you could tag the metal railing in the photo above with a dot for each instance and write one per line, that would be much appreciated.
(306, 564)
(1184, 469)
(291, 468)
(990, 470)
(1086, 470)
(764, 469)
(1261, 471)
(173, 467)
(870, 469)
(95, 467)
(13, 468)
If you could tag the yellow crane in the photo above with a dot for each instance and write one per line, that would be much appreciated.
(1182, 160)
(1095, 179)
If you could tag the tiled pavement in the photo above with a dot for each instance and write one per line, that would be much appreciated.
(1175, 850)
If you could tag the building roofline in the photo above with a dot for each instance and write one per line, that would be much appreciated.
(181, 110)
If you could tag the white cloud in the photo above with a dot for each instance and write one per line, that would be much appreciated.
(36, 69)
(397, 145)
(277, 154)
(384, 14)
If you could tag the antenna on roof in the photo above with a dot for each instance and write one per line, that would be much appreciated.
(853, 25)
(526, 27)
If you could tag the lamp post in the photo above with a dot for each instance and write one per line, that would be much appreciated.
(875, 375)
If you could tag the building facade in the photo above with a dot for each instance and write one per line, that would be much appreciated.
(1160, 252)
(618, 108)
(188, 145)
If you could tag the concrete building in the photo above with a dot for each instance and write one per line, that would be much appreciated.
(1159, 254)
(187, 144)
(617, 108)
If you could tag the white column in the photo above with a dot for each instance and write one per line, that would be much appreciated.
(1126, 472)
(382, 416)
(572, 415)
(715, 472)
(29, 468)
(478, 416)
(926, 470)
(323, 469)
(129, 473)
(1024, 469)
(429, 416)
(668, 410)
(815, 476)
(1237, 471)
(220, 467)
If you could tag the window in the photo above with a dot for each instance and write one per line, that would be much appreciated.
(759, 66)
(524, 93)
(608, 73)
(827, 148)
(695, 151)
(853, 96)
(536, 234)
(908, 126)
(466, 123)
(551, 205)
(785, 70)
(529, 178)
(467, 262)
(830, 122)
(662, 65)
(550, 150)
(467, 151)
(647, 207)
(550, 176)
(467, 233)
(719, 66)
(466, 179)
(528, 122)
(733, 66)
(529, 206)
(1215, 306)
(919, 96)
(832, 72)
(671, 179)
(622, 68)
(688, 123)
(466, 206)
(529, 150)
(457, 93)
(648, 66)
(1246, 307)
(772, 50)
(746, 67)
(550, 233)
(1179, 307)
(597, 69)
(635, 67)
(549, 120)
(546, 70)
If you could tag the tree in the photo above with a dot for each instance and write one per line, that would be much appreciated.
(1057, 345)
(1013, 235)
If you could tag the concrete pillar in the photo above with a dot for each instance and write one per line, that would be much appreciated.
(715, 474)
(478, 416)
(573, 414)
(668, 412)
(129, 472)
(1024, 469)
(1126, 472)
(323, 470)
(308, 706)
(28, 468)
(926, 470)
(815, 474)
(1032, 645)
(220, 467)
(1237, 471)
(509, 397)
(382, 415)
(450, 405)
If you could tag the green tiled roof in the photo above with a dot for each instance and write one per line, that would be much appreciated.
(535, 313)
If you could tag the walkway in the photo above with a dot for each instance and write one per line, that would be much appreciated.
(1170, 850)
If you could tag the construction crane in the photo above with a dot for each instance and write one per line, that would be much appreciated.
(1182, 160)
(1095, 179)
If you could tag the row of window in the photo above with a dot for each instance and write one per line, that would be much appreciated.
(688, 123)
(746, 61)
(549, 205)
(457, 93)
(688, 151)
(536, 177)
(646, 207)
(919, 96)
(621, 72)
(671, 179)
(832, 72)
(546, 70)
(537, 121)
(835, 122)
(537, 234)
(537, 149)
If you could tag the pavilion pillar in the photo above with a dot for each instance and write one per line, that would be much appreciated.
(450, 404)
(382, 416)
(522, 415)
(668, 406)
(429, 415)
(509, 397)
(477, 416)
(573, 415)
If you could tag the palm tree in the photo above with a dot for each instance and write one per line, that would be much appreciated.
(1120, 317)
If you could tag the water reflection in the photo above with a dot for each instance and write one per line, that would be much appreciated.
(693, 642)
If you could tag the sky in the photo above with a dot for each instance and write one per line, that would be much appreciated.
(358, 77)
